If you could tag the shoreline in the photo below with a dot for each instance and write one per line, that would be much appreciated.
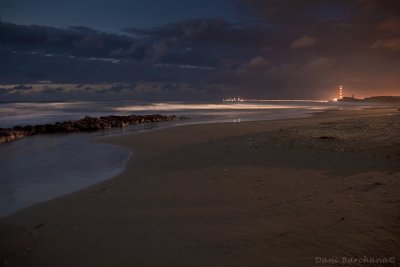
(202, 195)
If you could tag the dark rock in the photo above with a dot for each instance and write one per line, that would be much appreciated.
(327, 137)
(86, 124)
(8, 135)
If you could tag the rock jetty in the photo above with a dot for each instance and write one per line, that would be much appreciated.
(86, 124)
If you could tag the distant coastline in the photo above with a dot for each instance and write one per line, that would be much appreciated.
(372, 99)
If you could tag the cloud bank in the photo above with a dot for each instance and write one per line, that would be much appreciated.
(296, 49)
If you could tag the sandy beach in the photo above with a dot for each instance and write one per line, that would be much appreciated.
(290, 192)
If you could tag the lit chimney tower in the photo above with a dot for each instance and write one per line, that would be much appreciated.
(341, 92)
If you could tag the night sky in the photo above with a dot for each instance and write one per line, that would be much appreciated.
(198, 50)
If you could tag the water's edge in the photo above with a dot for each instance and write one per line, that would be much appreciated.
(35, 170)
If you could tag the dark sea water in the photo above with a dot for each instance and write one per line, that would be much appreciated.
(39, 168)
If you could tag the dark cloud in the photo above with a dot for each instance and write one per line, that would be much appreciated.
(119, 87)
(303, 42)
(22, 87)
(51, 90)
(302, 49)
(206, 31)
(391, 24)
(74, 41)
(392, 43)
(345, 40)
(189, 29)
(257, 63)
(391, 7)
(202, 42)
(191, 42)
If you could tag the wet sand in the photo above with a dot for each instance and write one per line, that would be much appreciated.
(268, 193)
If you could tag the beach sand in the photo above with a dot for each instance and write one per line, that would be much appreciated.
(287, 192)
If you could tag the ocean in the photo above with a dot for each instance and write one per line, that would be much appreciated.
(39, 168)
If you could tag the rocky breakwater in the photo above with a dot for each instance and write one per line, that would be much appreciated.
(86, 124)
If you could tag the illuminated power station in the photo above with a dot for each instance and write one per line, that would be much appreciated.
(341, 92)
